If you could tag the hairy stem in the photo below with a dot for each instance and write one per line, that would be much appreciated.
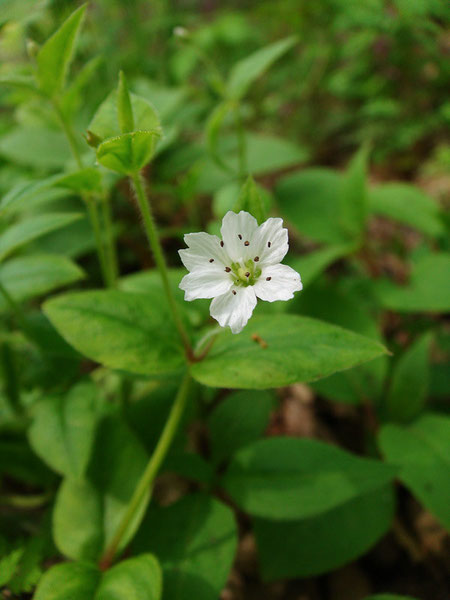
(155, 245)
(145, 484)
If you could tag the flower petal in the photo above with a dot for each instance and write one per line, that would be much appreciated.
(270, 242)
(234, 310)
(277, 282)
(205, 282)
(237, 230)
(202, 247)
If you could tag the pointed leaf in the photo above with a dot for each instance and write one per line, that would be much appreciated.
(124, 108)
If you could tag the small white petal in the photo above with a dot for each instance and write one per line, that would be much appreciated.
(202, 248)
(234, 310)
(283, 282)
(236, 230)
(206, 282)
(270, 242)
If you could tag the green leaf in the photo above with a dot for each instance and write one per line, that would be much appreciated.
(353, 199)
(213, 128)
(37, 147)
(408, 390)
(311, 265)
(105, 124)
(84, 180)
(250, 200)
(285, 355)
(196, 540)
(27, 277)
(325, 542)
(129, 152)
(246, 71)
(138, 578)
(238, 420)
(9, 565)
(25, 231)
(77, 581)
(287, 478)
(124, 108)
(427, 291)
(409, 205)
(56, 54)
(421, 450)
(310, 201)
(132, 332)
(88, 512)
(63, 429)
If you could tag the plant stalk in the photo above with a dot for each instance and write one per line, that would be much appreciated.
(155, 245)
(148, 477)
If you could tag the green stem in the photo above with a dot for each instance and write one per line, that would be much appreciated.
(89, 201)
(153, 240)
(242, 144)
(148, 477)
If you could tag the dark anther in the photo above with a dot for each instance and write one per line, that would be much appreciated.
(211, 260)
(268, 278)
(234, 293)
(269, 244)
(227, 269)
(246, 243)
(256, 258)
(247, 274)
(239, 236)
(221, 243)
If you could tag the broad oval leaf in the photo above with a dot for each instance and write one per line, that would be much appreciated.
(63, 429)
(278, 350)
(195, 540)
(288, 478)
(132, 332)
(27, 277)
(421, 451)
(56, 54)
(77, 581)
(28, 230)
(327, 541)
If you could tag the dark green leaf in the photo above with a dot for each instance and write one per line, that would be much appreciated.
(287, 478)
(196, 541)
(294, 349)
(421, 450)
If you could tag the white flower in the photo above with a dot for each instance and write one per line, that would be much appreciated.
(239, 268)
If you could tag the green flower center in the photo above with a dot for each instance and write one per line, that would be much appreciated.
(245, 274)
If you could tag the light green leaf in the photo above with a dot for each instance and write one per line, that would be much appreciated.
(129, 152)
(77, 581)
(63, 429)
(427, 291)
(56, 54)
(196, 540)
(320, 544)
(310, 201)
(124, 108)
(238, 420)
(246, 71)
(422, 451)
(353, 199)
(138, 578)
(24, 232)
(37, 147)
(105, 123)
(407, 204)
(287, 478)
(88, 512)
(84, 180)
(408, 388)
(28, 277)
(311, 265)
(250, 199)
(132, 332)
(284, 356)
